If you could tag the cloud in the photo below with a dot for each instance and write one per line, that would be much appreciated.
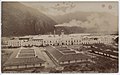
(61, 8)
(72, 23)
(64, 6)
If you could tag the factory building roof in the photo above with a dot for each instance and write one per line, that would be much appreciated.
(23, 61)
(103, 51)
(70, 57)
(65, 55)
(24, 57)
(57, 54)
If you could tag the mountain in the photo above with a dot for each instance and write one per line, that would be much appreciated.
(69, 30)
(69, 16)
(79, 15)
(19, 20)
(88, 22)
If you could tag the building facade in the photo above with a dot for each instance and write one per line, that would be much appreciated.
(72, 39)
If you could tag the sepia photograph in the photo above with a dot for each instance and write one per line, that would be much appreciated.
(60, 37)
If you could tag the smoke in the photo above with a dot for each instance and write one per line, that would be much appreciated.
(73, 23)
(95, 22)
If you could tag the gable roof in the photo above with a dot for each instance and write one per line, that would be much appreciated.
(70, 57)
(23, 61)
(61, 56)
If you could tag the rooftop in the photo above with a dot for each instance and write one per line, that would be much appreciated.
(23, 61)
(23, 57)
(65, 55)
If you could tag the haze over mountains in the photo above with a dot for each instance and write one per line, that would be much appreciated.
(19, 19)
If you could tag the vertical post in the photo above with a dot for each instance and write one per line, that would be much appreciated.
(33, 65)
(17, 66)
(68, 61)
(26, 66)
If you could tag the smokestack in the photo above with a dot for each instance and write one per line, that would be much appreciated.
(62, 33)
(54, 31)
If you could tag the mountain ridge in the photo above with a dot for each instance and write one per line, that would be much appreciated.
(18, 19)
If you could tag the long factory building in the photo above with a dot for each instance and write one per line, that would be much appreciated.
(71, 39)
(64, 55)
(23, 59)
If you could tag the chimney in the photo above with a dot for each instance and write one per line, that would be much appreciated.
(62, 33)
(54, 31)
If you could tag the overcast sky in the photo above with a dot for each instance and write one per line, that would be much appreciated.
(60, 8)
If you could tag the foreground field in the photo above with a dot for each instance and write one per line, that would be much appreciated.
(101, 64)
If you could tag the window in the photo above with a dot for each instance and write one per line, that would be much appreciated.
(86, 59)
(81, 60)
(68, 61)
(40, 64)
(77, 40)
(75, 60)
